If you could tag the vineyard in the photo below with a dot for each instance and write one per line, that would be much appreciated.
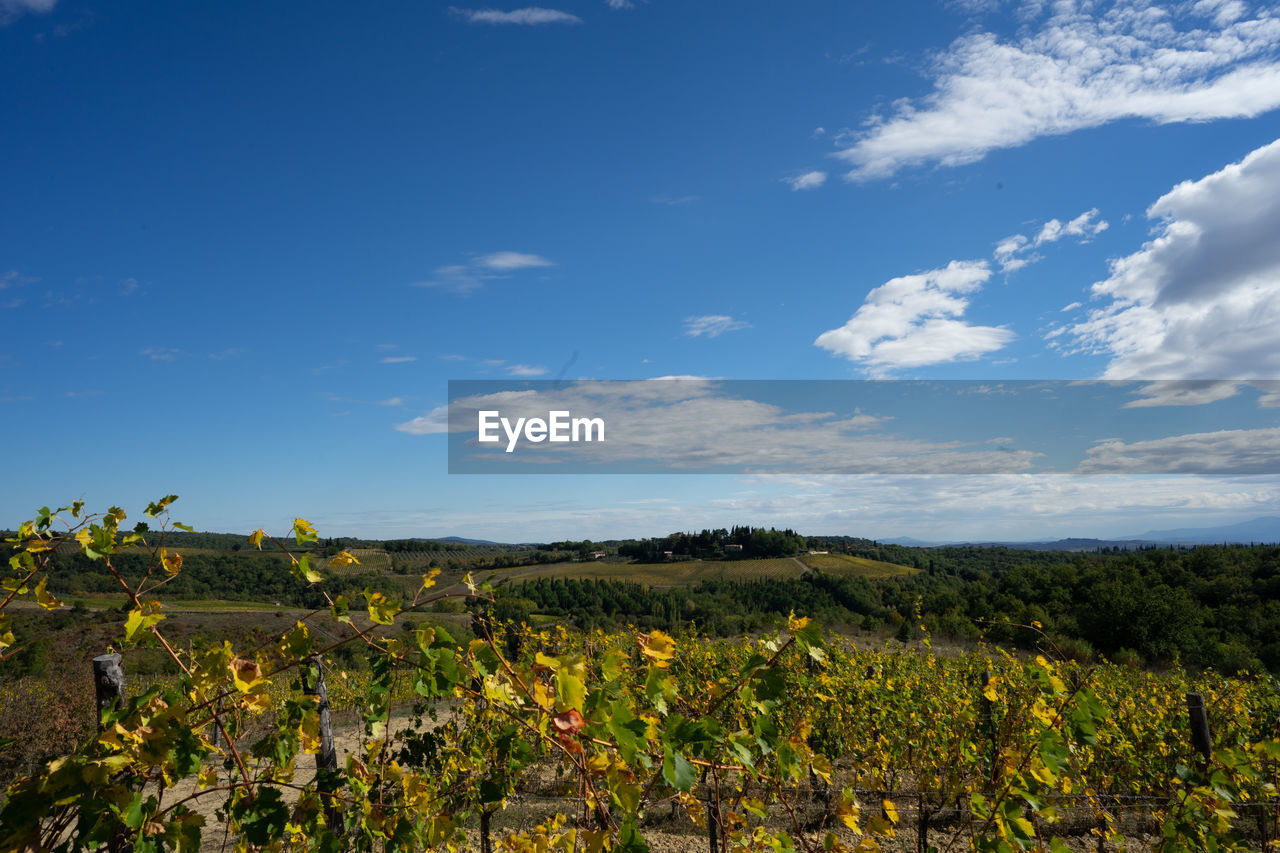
(536, 740)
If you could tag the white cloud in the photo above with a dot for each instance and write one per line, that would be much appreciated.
(675, 200)
(1235, 451)
(506, 261)
(1079, 69)
(13, 9)
(435, 423)
(694, 425)
(1182, 393)
(912, 321)
(807, 181)
(1010, 252)
(454, 278)
(712, 325)
(465, 278)
(13, 278)
(399, 359)
(1202, 298)
(528, 16)
(620, 4)
(525, 370)
(161, 353)
(391, 401)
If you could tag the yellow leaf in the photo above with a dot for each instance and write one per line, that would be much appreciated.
(429, 579)
(255, 538)
(890, 811)
(246, 674)
(344, 559)
(658, 647)
(303, 531)
(208, 777)
(172, 562)
(144, 616)
(44, 598)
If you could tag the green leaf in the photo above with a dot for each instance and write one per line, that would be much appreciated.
(570, 690)
(678, 772)
(341, 610)
(156, 507)
(141, 618)
(630, 840)
(302, 571)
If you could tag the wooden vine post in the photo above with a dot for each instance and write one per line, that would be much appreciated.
(988, 722)
(108, 688)
(1199, 717)
(327, 757)
(108, 683)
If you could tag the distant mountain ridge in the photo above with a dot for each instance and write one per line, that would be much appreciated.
(1264, 529)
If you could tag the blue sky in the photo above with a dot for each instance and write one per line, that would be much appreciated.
(244, 248)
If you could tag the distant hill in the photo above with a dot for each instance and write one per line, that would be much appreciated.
(1263, 529)
(463, 541)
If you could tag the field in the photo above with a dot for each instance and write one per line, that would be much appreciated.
(665, 575)
(687, 573)
(846, 564)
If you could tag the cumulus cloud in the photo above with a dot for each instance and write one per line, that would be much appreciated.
(1079, 68)
(434, 423)
(1011, 252)
(807, 181)
(1202, 298)
(712, 325)
(914, 320)
(531, 15)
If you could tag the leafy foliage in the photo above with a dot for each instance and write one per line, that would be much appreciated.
(729, 733)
